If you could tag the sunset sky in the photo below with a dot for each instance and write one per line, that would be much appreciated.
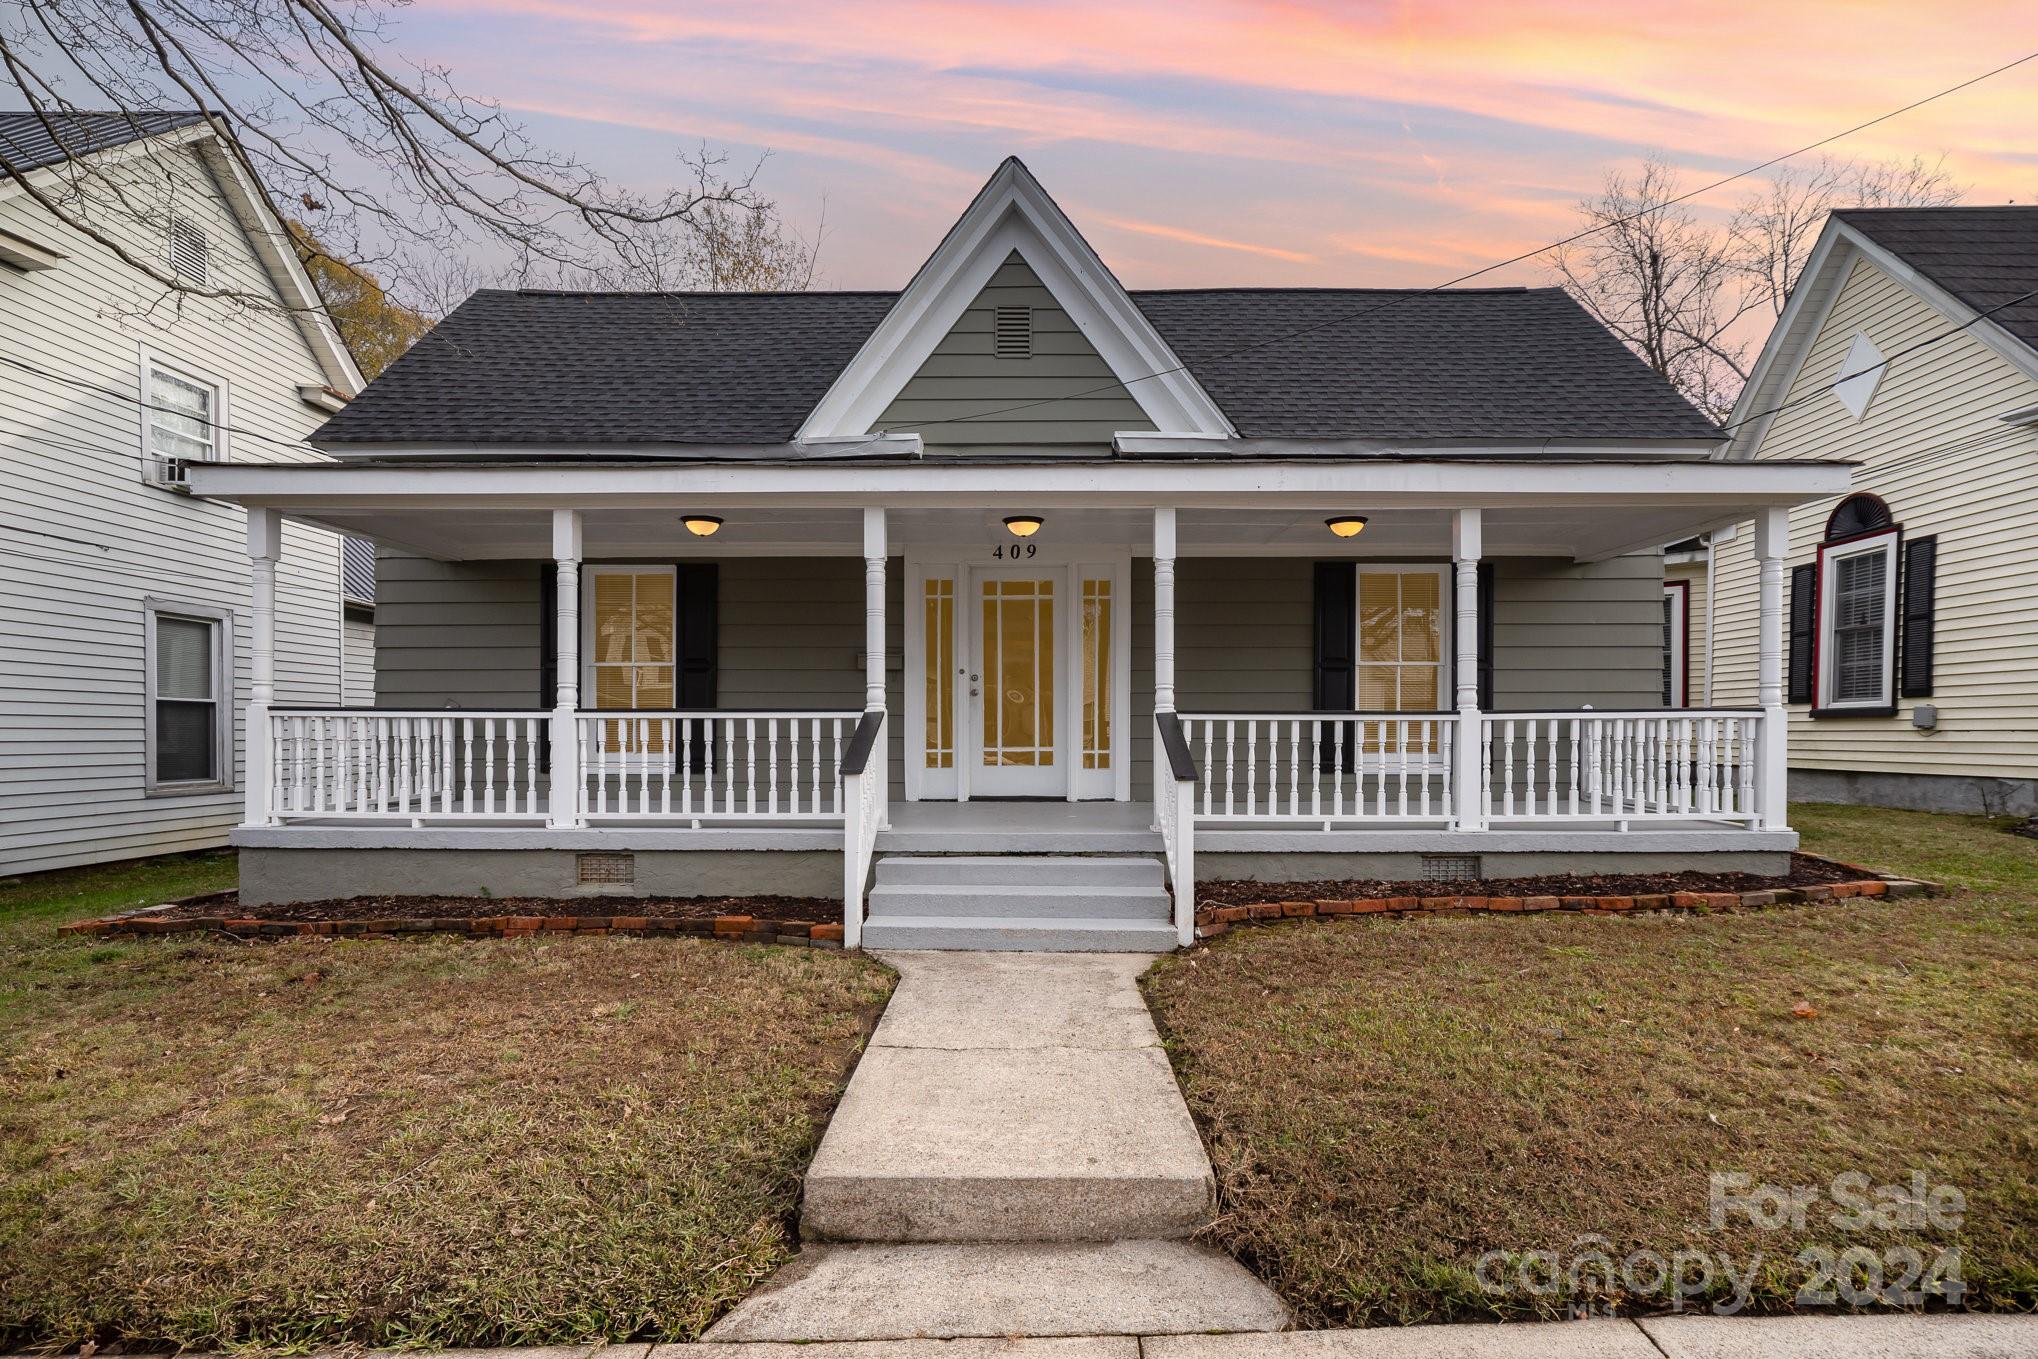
(1206, 143)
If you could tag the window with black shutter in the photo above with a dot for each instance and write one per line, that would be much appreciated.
(1804, 608)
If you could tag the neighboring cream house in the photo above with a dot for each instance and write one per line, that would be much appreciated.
(1007, 605)
(126, 607)
(1911, 347)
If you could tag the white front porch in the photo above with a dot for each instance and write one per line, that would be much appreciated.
(1441, 777)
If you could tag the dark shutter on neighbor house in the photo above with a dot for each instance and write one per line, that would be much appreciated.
(1337, 654)
(1804, 584)
(1921, 573)
(548, 655)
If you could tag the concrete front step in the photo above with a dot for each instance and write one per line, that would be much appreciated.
(838, 1293)
(1127, 872)
(1022, 934)
(1140, 905)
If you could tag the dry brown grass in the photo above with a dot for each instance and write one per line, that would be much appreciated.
(433, 1141)
(1387, 1100)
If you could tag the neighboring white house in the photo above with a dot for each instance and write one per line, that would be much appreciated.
(125, 608)
(1911, 347)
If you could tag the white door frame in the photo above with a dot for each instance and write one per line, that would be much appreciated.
(1068, 565)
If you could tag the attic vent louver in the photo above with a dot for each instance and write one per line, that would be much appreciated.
(190, 253)
(1012, 332)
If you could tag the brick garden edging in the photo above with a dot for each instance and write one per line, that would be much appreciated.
(735, 929)
(1213, 920)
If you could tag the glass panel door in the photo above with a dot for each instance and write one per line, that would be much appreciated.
(1402, 651)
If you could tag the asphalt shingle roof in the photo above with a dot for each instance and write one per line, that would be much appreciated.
(528, 367)
(26, 142)
(1985, 256)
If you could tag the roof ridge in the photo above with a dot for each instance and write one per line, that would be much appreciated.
(1509, 288)
(692, 292)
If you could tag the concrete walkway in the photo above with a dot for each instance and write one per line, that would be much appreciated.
(1012, 1157)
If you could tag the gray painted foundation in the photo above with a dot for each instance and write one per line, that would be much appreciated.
(1306, 867)
(270, 875)
(1962, 793)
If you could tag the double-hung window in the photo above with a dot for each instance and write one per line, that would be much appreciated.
(189, 717)
(1857, 630)
(185, 418)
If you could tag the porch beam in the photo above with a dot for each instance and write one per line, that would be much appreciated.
(1772, 546)
(265, 549)
(562, 806)
(1467, 543)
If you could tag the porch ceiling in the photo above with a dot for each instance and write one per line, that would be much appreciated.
(1584, 510)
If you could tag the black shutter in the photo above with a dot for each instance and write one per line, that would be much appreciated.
(1921, 572)
(1804, 584)
(1485, 637)
(548, 655)
(698, 586)
(1337, 651)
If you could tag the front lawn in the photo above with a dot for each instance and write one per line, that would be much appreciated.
(430, 1141)
(1388, 1101)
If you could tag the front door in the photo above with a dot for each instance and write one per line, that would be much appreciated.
(1016, 682)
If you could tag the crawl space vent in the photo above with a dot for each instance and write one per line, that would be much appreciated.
(607, 870)
(1012, 332)
(1450, 868)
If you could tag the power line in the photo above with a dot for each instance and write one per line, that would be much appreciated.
(1525, 255)
(237, 431)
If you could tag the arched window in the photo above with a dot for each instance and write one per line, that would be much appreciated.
(1856, 515)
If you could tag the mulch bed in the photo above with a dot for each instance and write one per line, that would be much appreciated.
(470, 908)
(1222, 905)
(1806, 870)
(806, 922)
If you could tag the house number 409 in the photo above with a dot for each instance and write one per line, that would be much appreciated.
(1014, 551)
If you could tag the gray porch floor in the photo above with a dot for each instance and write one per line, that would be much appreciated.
(1021, 827)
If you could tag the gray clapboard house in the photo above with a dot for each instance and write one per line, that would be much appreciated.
(125, 605)
(1007, 605)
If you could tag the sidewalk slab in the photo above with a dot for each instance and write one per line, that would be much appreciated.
(996, 1001)
(1086, 1347)
(1123, 1288)
(1894, 1335)
(1594, 1339)
(1047, 1144)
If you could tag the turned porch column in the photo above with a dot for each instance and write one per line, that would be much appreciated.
(564, 799)
(1772, 779)
(265, 549)
(1164, 609)
(1467, 793)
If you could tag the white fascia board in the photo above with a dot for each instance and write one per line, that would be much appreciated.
(1013, 212)
(271, 241)
(1735, 488)
(1140, 443)
(2006, 345)
(27, 255)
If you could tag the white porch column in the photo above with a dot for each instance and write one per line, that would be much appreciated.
(875, 550)
(1772, 781)
(564, 799)
(265, 548)
(1164, 609)
(1467, 537)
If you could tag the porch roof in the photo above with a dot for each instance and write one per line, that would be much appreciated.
(1268, 505)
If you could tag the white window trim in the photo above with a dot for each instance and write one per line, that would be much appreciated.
(1678, 592)
(1885, 542)
(153, 362)
(1446, 625)
(222, 622)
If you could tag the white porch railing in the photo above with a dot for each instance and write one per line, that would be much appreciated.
(1325, 767)
(1174, 807)
(1650, 765)
(865, 776)
(713, 765)
(355, 764)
